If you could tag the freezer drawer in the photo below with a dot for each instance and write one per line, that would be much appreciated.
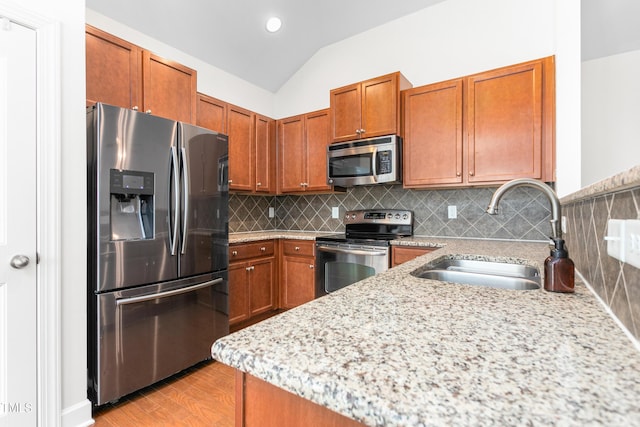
(146, 334)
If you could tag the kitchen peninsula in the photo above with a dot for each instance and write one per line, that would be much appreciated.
(396, 350)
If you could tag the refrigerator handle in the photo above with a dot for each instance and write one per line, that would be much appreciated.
(173, 227)
(185, 198)
(143, 298)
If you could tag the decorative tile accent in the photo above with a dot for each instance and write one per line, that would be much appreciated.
(524, 212)
(617, 283)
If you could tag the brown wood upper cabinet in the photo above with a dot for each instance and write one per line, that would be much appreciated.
(113, 70)
(367, 109)
(211, 113)
(302, 152)
(252, 143)
(483, 129)
(123, 74)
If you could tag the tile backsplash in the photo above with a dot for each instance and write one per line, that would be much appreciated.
(617, 283)
(524, 212)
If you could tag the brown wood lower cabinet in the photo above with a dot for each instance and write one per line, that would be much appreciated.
(297, 279)
(252, 280)
(261, 404)
(402, 254)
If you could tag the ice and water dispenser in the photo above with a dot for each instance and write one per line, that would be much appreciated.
(132, 210)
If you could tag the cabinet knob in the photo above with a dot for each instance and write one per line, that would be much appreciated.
(458, 174)
(471, 173)
(362, 131)
(258, 184)
(229, 181)
(262, 249)
(311, 266)
(135, 108)
(297, 248)
(148, 111)
(234, 253)
(249, 268)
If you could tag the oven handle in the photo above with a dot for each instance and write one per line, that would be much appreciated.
(143, 298)
(351, 251)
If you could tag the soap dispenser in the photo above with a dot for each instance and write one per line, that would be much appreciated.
(559, 271)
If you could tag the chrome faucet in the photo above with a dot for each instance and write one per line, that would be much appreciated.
(556, 228)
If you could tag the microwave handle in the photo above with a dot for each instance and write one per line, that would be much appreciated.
(374, 163)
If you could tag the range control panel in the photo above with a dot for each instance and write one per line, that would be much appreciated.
(379, 216)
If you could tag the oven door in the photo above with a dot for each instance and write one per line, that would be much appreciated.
(341, 264)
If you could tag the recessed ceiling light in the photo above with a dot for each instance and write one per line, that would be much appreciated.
(273, 24)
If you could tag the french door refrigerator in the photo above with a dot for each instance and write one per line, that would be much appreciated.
(157, 248)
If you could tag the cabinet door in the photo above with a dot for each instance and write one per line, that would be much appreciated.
(505, 123)
(346, 112)
(262, 296)
(113, 70)
(432, 149)
(211, 113)
(292, 154)
(241, 152)
(238, 292)
(380, 112)
(297, 281)
(401, 254)
(169, 88)
(265, 149)
(317, 140)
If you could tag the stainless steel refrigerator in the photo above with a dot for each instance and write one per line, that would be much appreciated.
(157, 248)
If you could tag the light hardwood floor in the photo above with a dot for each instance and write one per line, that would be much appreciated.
(200, 396)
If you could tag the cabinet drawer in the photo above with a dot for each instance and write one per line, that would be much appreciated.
(298, 247)
(242, 251)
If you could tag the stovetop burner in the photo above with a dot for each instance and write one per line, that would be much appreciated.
(374, 226)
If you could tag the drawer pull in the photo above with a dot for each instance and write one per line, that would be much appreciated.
(234, 253)
(311, 266)
(297, 248)
(262, 249)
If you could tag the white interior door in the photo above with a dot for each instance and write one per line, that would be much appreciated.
(18, 299)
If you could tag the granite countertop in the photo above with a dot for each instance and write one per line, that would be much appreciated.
(253, 236)
(396, 350)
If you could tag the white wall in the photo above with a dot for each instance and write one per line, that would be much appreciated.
(610, 115)
(453, 39)
(70, 14)
(211, 80)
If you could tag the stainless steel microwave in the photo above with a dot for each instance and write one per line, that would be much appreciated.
(365, 162)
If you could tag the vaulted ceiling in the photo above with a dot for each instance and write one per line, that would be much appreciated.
(231, 35)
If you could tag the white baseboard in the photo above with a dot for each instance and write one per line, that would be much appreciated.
(78, 415)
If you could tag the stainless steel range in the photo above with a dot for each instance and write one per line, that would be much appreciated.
(362, 251)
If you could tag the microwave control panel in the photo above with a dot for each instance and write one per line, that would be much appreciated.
(384, 162)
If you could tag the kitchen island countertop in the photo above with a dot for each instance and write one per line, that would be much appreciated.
(397, 350)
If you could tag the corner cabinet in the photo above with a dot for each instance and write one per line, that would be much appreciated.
(297, 284)
(367, 109)
(302, 153)
(122, 74)
(252, 280)
(483, 129)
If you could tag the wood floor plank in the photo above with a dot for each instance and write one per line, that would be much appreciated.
(200, 396)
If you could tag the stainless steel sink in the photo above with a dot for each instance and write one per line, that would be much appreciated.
(482, 273)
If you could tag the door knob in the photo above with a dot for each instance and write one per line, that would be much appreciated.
(19, 261)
